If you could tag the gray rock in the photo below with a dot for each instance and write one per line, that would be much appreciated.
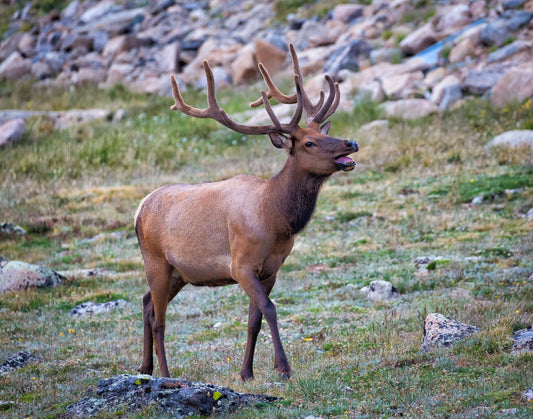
(11, 229)
(528, 394)
(17, 361)
(347, 57)
(171, 396)
(515, 85)
(380, 291)
(386, 55)
(523, 340)
(89, 308)
(479, 82)
(507, 51)
(16, 276)
(440, 331)
(451, 95)
(512, 4)
(501, 29)
(515, 138)
(11, 131)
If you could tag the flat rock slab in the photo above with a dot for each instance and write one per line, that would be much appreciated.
(177, 397)
(440, 331)
(523, 340)
(89, 308)
(16, 276)
(16, 361)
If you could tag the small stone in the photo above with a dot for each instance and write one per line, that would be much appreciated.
(89, 308)
(380, 290)
(523, 340)
(477, 200)
(441, 331)
(11, 229)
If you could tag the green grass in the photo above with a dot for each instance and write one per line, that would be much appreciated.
(409, 196)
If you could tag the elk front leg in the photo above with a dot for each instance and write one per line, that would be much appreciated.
(254, 326)
(259, 297)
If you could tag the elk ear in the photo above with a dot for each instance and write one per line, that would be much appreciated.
(279, 140)
(325, 128)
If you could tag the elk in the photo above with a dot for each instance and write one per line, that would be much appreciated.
(239, 230)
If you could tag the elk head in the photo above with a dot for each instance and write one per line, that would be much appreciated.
(312, 148)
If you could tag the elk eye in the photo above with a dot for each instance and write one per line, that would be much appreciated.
(309, 144)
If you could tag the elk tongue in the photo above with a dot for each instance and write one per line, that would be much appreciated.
(345, 160)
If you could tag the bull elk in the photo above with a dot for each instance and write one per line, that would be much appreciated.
(239, 230)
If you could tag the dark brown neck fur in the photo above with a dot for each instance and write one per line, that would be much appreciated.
(293, 194)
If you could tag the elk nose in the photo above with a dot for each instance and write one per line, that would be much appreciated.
(352, 144)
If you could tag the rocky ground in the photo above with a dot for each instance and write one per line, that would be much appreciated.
(418, 57)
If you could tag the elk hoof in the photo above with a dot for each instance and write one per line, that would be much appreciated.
(247, 375)
(145, 370)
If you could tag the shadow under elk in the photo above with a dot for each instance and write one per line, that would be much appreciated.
(239, 230)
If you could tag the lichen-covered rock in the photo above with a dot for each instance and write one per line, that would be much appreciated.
(441, 331)
(17, 275)
(177, 397)
(523, 340)
(15, 362)
(89, 308)
(11, 229)
(379, 291)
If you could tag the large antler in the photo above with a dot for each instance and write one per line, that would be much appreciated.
(214, 111)
(318, 112)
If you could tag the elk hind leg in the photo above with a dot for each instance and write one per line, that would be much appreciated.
(163, 288)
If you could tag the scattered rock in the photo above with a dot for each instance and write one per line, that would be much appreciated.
(440, 331)
(89, 308)
(419, 39)
(478, 200)
(11, 131)
(171, 396)
(514, 138)
(523, 340)
(515, 85)
(409, 108)
(528, 394)
(379, 291)
(479, 82)
(11, 229)
(16, 276)
(16, 361)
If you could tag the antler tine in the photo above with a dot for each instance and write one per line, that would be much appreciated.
(273, 91)
(291, 126)
(331, 103)
(214, 111)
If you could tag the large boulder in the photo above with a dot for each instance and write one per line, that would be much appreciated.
(16, 276)
(441, 331)
(11, 131)
(15, 67)
(347, 57)
(515, 85)
(419, 39)
(514, 138)
(478, 82)
(501, 29)
(171, 396)
(270, 56)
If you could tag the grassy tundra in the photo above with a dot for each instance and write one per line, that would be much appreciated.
(409, 196)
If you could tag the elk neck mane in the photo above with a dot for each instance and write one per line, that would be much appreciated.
(294, 194)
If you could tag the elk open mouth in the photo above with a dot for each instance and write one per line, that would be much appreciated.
(345, 163)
